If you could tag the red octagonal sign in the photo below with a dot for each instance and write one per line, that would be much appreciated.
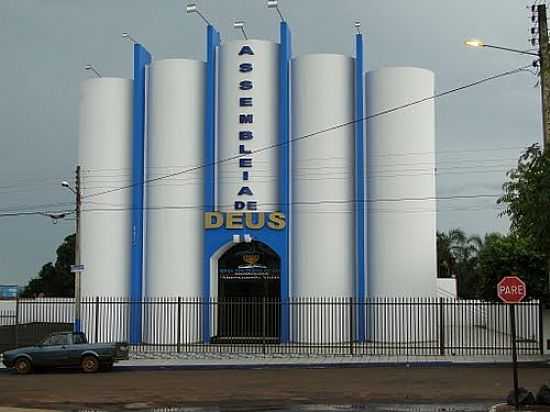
(511, 289)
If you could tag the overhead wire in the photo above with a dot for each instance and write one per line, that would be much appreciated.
(307, 136)
(277, 145)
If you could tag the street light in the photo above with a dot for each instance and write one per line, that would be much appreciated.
(479, 43)
(357, 25)
(54, 216)
(128, 37)
(192, 8)
(77, 260)
(239, 25)
(89, 67)
(274, 4)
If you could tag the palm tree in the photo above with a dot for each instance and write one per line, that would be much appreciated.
(458, 256)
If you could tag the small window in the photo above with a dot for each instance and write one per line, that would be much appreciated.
(56, 340)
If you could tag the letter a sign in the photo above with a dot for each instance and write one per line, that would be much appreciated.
(511, 289)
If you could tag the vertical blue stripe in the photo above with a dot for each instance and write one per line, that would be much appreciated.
(141, 59)
(360, 187)
(285, 53)
(212, 43)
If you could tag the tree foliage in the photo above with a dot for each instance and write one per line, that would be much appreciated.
(55, 280)
(526, 199)
(503, 255)
(457, 256)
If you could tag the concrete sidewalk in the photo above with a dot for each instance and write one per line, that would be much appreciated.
(162, 360)
(259, 361)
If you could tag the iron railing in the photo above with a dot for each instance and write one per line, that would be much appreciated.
(323, 326)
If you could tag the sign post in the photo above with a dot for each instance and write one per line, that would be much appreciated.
(512, 290)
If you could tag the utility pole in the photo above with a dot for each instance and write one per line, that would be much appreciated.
(78, 273)
(544, 53)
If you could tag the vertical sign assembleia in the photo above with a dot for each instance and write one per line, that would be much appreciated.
(245, 195)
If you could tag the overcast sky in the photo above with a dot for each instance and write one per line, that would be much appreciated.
(46, 43)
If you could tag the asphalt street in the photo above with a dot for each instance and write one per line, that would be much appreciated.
(135, 388)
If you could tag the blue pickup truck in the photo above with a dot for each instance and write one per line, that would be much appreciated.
(66, 349)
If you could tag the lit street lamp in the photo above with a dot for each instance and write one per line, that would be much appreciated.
(479, 43)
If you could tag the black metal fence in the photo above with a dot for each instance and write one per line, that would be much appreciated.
(338, 326)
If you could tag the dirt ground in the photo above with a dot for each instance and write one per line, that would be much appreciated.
(140, 389)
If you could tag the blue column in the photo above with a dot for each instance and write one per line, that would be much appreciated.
(285, 54)
(141, 59)
(212, 43)
(360, 187)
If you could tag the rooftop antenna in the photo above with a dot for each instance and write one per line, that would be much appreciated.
(240, 25)
(274, 4)
(192, 8)
(89, 67)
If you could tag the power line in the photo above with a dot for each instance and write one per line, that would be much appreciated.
(335, 127)
(297, 203)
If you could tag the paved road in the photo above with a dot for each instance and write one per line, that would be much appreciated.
(274, 386)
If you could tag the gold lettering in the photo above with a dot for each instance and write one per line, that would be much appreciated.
(276, 221)
(249, 220)
(234, 220)
(213, 220)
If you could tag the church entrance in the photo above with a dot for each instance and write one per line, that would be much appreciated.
(248, 294)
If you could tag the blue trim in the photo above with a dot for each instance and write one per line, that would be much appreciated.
(212, 43)
(278, 240)
(141, 59)
(361, 292)
(285, 53)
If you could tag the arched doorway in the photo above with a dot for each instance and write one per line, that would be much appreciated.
(248, 293)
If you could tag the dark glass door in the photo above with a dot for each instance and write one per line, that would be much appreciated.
(249, 294)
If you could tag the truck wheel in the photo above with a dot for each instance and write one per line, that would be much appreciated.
(22, 366)
(89, 364)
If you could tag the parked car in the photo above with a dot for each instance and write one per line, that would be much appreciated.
(66, 349)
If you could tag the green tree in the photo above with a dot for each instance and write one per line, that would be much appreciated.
(503, 255)
(55, 280)
(526, 201)
(457, 256)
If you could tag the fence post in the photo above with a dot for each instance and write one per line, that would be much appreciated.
(351, 326)
(541, 328)
(441, 327)
(178, 328)
(16, 337)
(96, 322)
(263, 324)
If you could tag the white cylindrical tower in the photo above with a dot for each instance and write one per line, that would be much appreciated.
(105, 148)
(174, 205)
(248, 121)
(401, 217)
(323, 255)
(174, 233)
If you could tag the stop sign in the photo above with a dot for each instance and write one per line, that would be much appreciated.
(511, 289)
